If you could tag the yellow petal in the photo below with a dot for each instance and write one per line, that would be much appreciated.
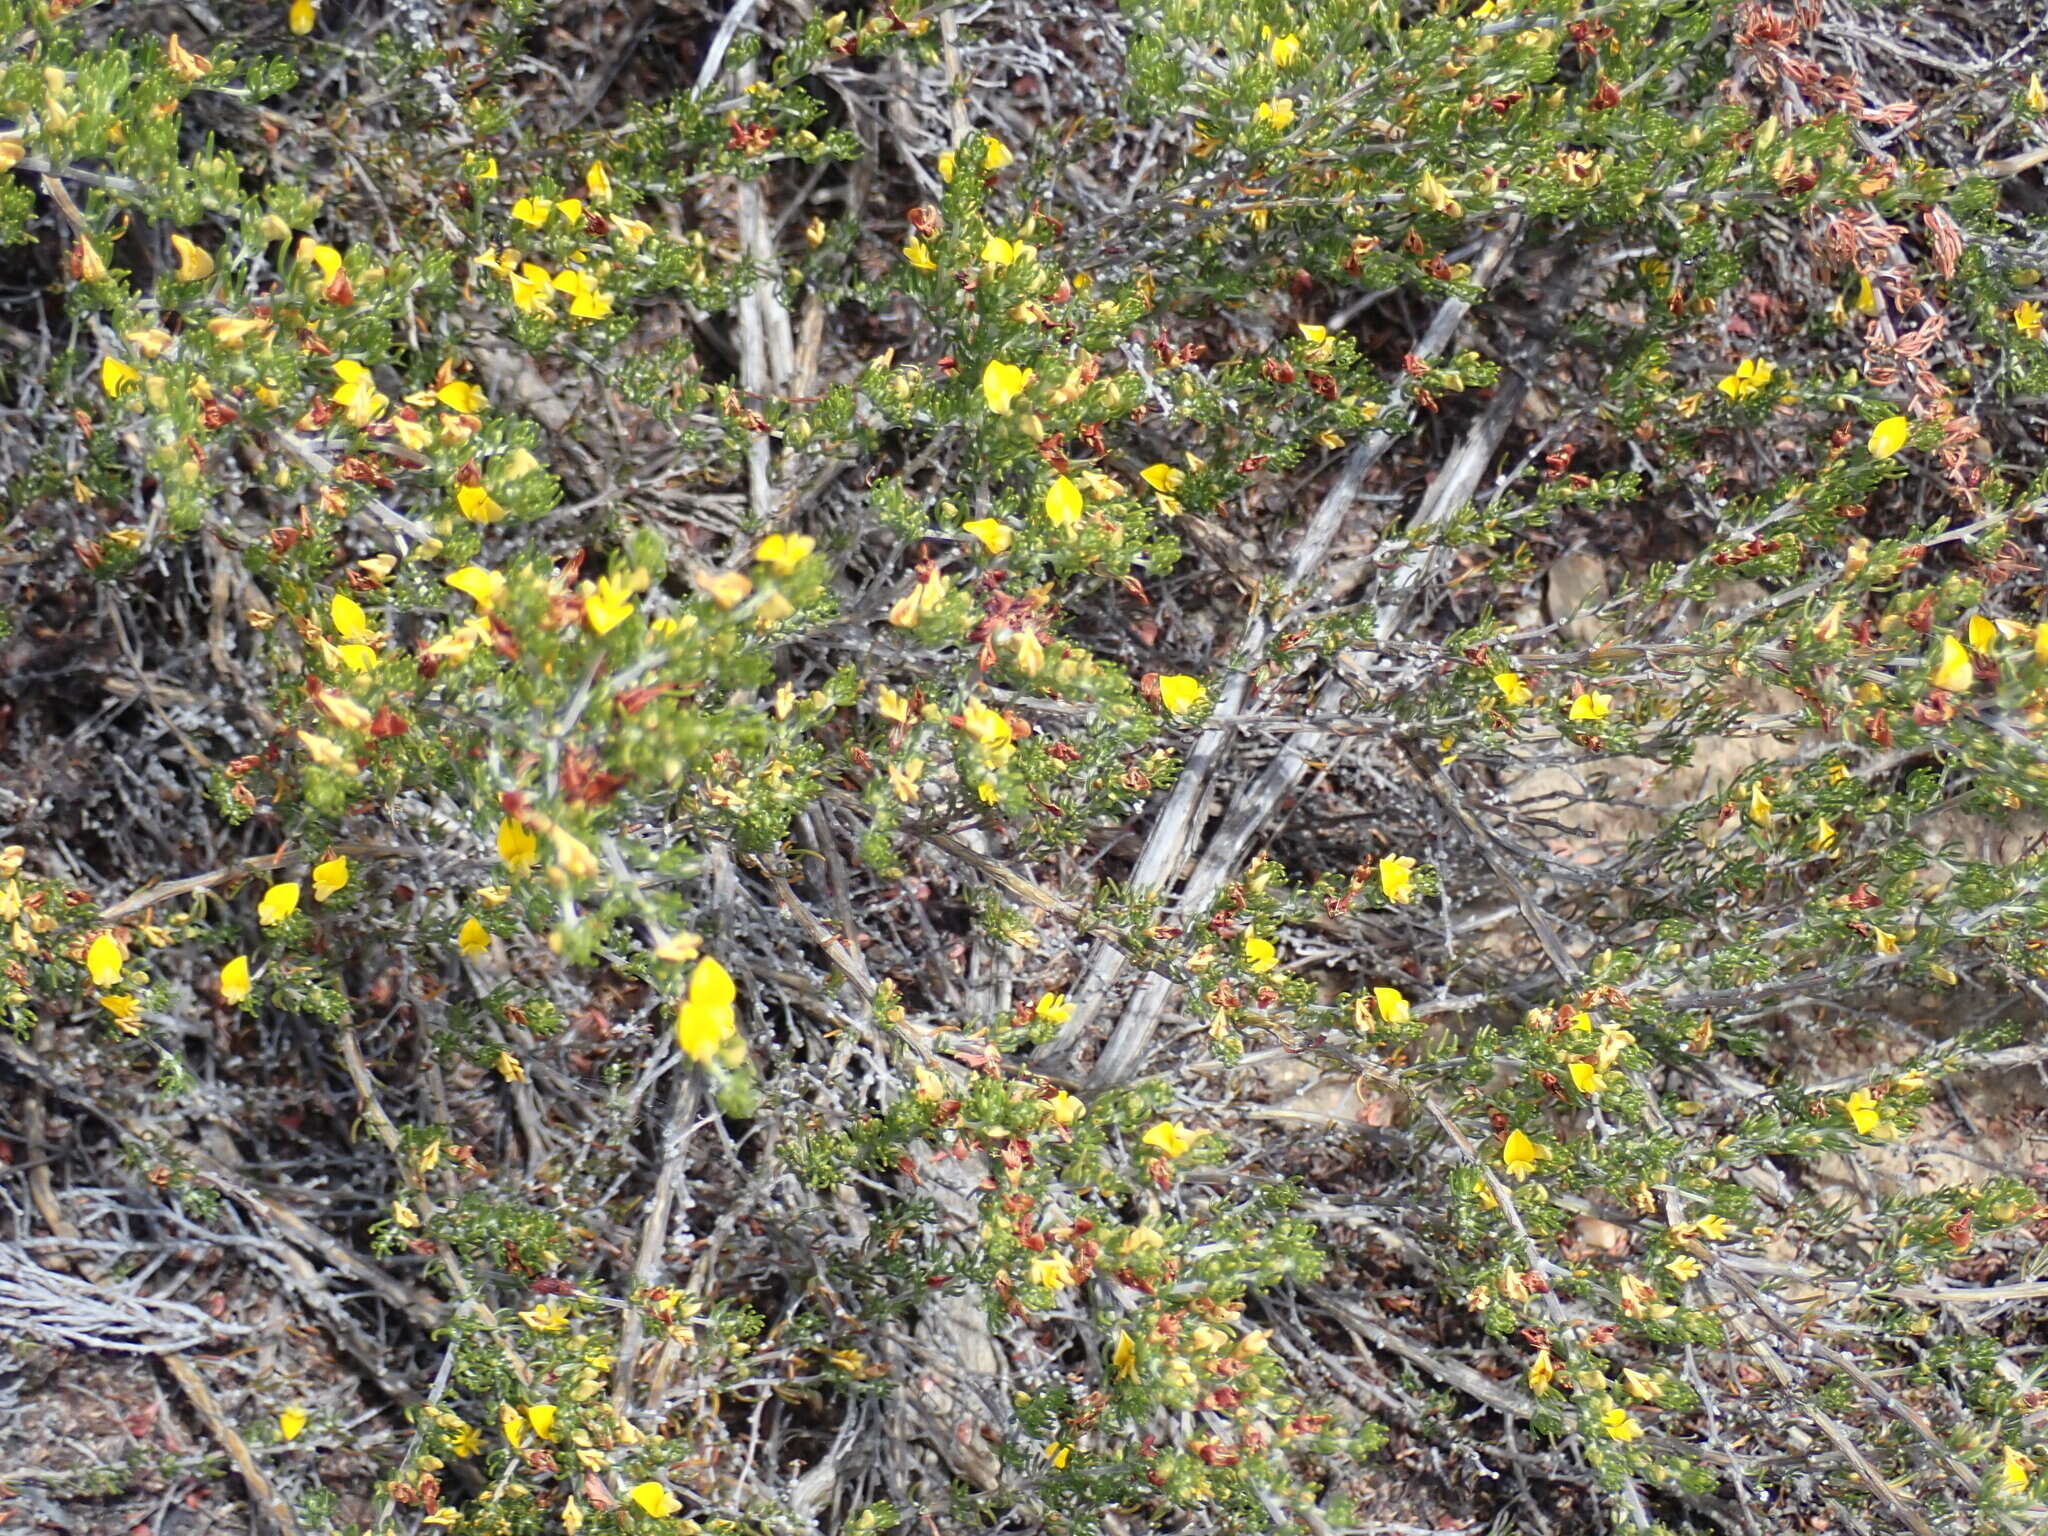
(1179, 694)
(193, 261)
(234, 980)
(329, 877)
(479, 585)
(1889, 436)
(1953, 673)
(655, 1500)
(116, 376)
(290, 1423)
(1063, 502)
(279, 903)
(518, 847)
(103, 961)
(474, 938)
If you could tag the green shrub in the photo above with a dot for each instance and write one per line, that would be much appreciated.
(727, 710)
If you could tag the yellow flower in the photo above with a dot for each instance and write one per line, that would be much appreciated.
(1541, 1371)
(512, 1424)
(1053, 1271)
(483, 587)
(998, 252)
(1278, 113)
(279, 903)
(234, 980)
(1002, 383)
(1864, 1112)
(474, 938)
(587, 301)
(608, 604)
(1512, 688)
(1684, 1267)
(1259, 954)
(116, 376)
(1173, 1140)
(1163, 478)
(460, 395)
(329, 877)
(123, 1009)
(654, 1500)
(1181, 694)
(1053, 1007)
(542, 1417)
(995, 154)
(1866, 296)
(1889, 436)
(519, 848)
(1953, 673)
(1397, 879)
(532, 210)
(1065, 1108)
(1124, 1357)
(2016, 1471)
(358, 394)
(705, 1019)
(300, 17)
(995, 537)
(782, 553)
(1519, 1155)
(477, 504)
(546, 1317)
(1644, 1389)
(919, 255)
(1621, 1425)
(2035, 98)
(2026, 317)
(946, 166)
(598, 183)
(532, 289)
(290, 1423)
(1587, 1079)
(1751, 375)
(1714, 1229)
(465, 1441)
(1063, 502)
(1759, 805)
(193, 261)
(350, 622)
(1591, 706)
(103, 961)
(1285, 50)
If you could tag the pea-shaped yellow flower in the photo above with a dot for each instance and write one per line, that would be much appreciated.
(1397, 879)
(1063, 502)
(993, 536)
(1953, 673)
(705, 1019)
(278, 903)
(1001, 383)
(330, 877)
(103, 961)
(1889, 436)
(1180, 694)
(1520, 1155)
(654, 1500)
(1171, 1139)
